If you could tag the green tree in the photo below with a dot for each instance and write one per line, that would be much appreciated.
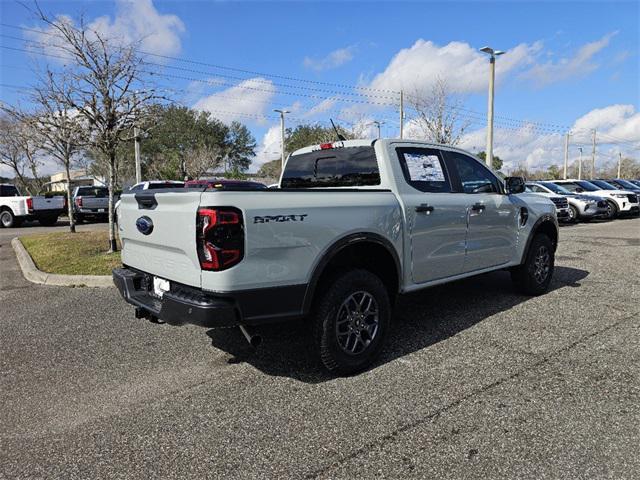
(181, 142)
(496, 164)
(270, 169)
(554, 172)
(241, 147)
(311, 134)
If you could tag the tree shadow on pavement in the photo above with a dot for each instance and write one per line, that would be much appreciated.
(420, 319)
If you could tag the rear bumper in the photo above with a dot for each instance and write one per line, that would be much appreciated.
(93, 212)
(179, 306)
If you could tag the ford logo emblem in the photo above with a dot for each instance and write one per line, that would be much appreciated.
(144, 225)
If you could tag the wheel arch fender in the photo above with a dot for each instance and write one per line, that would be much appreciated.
(332, 258)
(547, 224)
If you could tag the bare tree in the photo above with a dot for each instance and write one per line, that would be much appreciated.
(103, 83)
(19, 149)
(439, 118)
(59, 129)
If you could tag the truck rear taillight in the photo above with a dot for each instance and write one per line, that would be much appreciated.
(79, 202)
(30, 204)
(219, 237)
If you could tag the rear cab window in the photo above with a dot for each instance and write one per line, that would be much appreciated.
(335, 167)
(9, 191)
(93, 191)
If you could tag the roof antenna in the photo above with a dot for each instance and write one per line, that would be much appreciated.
(340, 137)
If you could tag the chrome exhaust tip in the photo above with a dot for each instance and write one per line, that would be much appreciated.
(253, 339)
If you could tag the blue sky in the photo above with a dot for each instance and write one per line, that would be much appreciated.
(569, 64)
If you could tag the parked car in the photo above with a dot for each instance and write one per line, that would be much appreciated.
(225, 184)
(581, 206)
(561, 202)
(618, 201)
(622, 184)
(355, 224)
(16, 208)
(90, 203)
(635, 182)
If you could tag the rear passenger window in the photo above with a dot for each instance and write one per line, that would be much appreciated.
(474, 176)
(423, 169)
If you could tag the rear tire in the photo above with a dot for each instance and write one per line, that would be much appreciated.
(350, 321)
(7, 219)
(534, 275)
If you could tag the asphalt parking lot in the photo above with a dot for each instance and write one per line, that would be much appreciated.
(477, 381)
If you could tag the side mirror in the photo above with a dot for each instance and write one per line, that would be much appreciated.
(514, 184)
(579, 189)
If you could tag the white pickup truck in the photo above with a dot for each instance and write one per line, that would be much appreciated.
(353, 225)
(16, 208)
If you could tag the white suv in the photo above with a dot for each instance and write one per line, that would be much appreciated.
(582, 207)
(618, 201)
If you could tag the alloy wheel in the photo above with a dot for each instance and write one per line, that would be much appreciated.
(5, 219)
(357, 322)
(541, 264)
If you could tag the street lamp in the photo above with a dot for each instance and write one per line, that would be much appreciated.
(282, 112)
(377, 124)
(580, 164)
(492, 75)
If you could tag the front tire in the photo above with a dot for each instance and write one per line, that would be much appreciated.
(534, 275)
(612, 210)
(351, 320)
(573, 214)
(7, 219)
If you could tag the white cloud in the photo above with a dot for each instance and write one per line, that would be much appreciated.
(246, 102)
(269, 148)
(580, 64)
(462, 66)
(332, 60)
(537, 150)
(322, 107)
(615, 122)
(140, 21)
(134, 22)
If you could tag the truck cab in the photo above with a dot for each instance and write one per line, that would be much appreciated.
(353, 225)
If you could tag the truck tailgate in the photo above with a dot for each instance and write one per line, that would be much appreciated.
(168, 248)
(95, 202)
(53, 203)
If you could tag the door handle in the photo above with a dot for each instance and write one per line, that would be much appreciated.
(424, 207)
(478, 207)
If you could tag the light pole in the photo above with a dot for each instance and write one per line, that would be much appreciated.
(580, 164)
(282, 112)
(492, 75)
(619, 164)
(377, 124)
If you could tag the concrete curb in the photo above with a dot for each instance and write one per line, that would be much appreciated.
(33, 274)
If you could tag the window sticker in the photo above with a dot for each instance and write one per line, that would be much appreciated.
(424, 168)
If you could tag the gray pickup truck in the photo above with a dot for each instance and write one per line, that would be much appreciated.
(353, 225)
(90, 203)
